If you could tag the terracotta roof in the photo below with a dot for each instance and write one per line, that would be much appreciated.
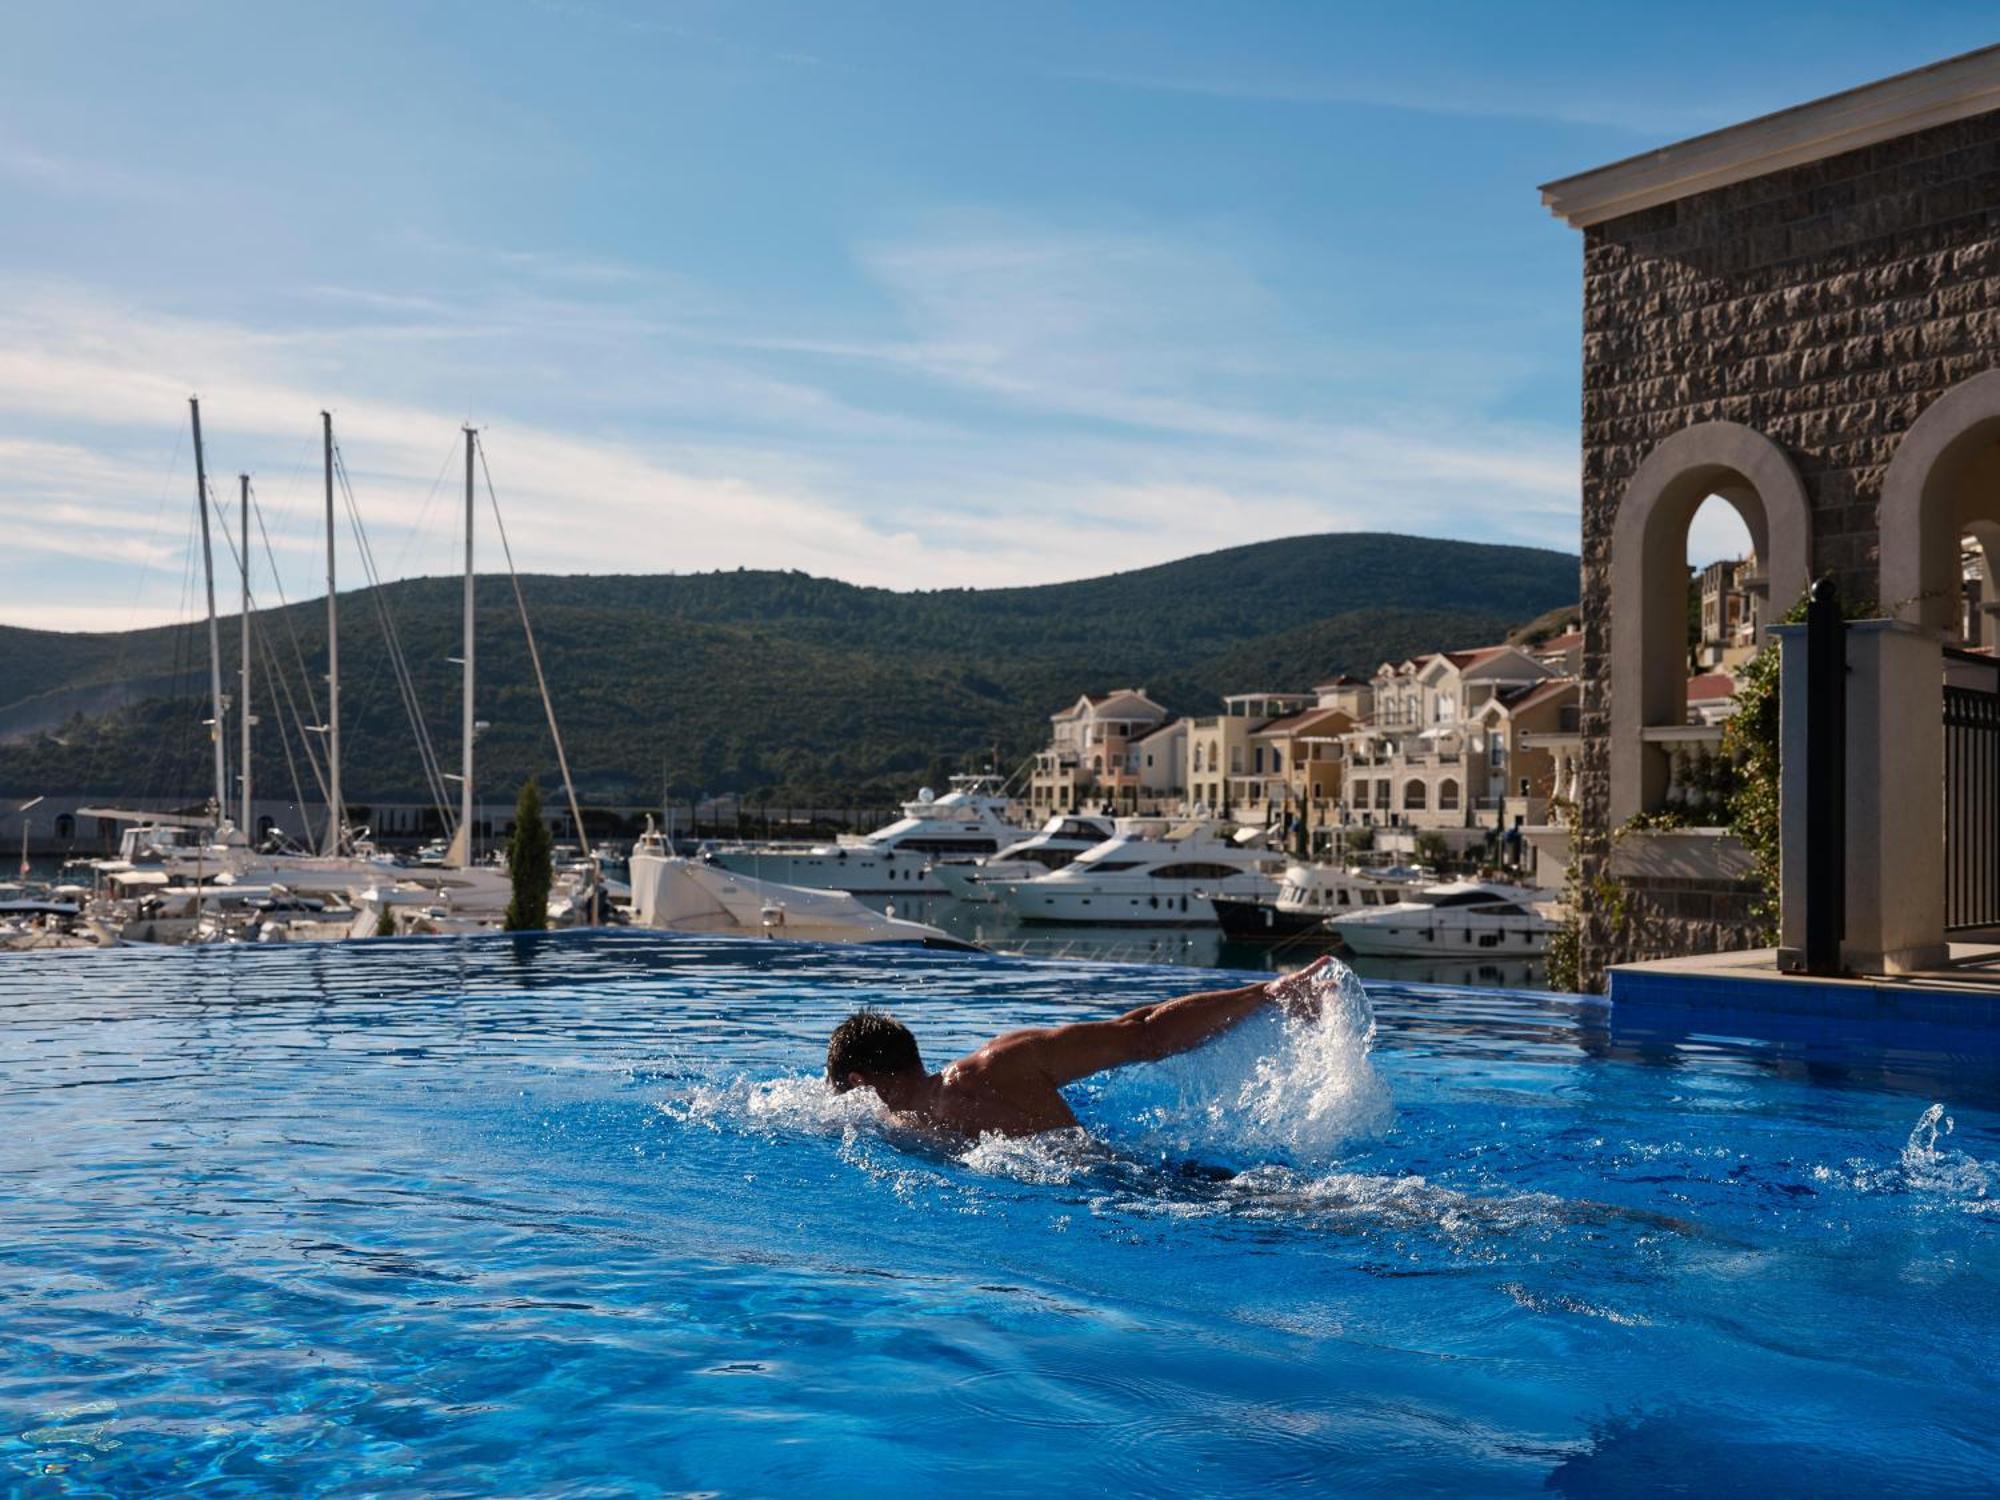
(1711, 686)
(1567, 641)
(1343, 680)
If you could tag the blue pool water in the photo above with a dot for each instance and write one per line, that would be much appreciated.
(570, 1215)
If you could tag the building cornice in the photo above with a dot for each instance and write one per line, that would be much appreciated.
(1954, 89)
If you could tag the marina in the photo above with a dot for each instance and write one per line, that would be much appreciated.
(1154, 786)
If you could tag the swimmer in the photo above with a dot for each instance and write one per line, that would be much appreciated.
(1013, 1084)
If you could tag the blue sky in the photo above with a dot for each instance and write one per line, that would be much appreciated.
(916, 295)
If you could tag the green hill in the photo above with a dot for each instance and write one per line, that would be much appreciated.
(764, 681)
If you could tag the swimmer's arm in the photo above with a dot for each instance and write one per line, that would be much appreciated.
(1066, 1053)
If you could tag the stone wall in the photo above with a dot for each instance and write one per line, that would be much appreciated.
(1825, 306)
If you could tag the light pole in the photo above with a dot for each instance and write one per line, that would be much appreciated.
(23, 810)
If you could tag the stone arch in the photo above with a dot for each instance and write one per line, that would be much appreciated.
(1648, 614)
(1448, 794)
(1943, 483)
(1413, 795)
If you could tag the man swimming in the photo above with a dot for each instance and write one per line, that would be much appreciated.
(1013, 1084)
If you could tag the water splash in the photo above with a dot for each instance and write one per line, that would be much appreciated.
(1926, 1167)
(1949, 1171)
(1297, 1087)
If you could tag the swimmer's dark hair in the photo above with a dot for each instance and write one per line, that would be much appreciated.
(870, 1042)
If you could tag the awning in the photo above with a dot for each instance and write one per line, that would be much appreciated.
(139, 877)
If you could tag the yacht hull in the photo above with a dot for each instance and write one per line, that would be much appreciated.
(1267, 921)
(1441, 940)
(859, 872)
(1153, 904)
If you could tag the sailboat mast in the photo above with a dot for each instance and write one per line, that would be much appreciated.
(336, 813)
(248, 824)
(466, 722)
(214, 632)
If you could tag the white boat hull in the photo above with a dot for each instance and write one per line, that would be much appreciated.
(1418, 939)
(682, 895)
(1128, 903)
(860, 872)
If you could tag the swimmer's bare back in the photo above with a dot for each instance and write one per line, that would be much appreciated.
(1013, 1085)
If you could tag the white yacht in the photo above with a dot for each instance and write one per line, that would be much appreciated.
(688, 895)
(1459, 917)
(1053, 845)
(1150, 874)
(1308, 895)
(967, 822)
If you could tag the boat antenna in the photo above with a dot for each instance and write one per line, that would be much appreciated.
(214, 633)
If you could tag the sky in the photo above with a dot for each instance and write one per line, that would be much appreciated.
(915, 295)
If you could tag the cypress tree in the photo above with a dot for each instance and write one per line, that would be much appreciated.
(528, 864)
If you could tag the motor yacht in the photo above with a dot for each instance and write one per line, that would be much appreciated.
(900, 859)
(1055, 844)
(1308, 895)
(1150, 874)
(1461, 916)
(676, 894)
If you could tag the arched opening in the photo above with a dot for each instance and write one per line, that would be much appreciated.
(1413, 796)
(1654, 600)
(65, 826)
(1448, 795)
(1940, 517)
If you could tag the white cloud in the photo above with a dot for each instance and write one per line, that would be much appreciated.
(1058, 405)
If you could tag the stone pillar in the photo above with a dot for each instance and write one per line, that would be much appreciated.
(1895, 796)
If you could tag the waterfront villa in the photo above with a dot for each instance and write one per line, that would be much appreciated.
(1440, 755)
(1086, 764)
(1156, 763)
(1231, 774)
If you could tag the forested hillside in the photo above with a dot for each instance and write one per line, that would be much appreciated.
(760, 681)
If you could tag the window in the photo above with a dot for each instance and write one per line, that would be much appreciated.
(1496, 751)
(1382, 790)
(1111, 866)
(1414, 796)
(1447, 795)
(65, 826)
(1194, 870)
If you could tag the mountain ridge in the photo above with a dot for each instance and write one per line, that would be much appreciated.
(762, 680)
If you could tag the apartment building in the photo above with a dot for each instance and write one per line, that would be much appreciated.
(1157, 763)
(1088, 762)
(1440, 755)
(1303, 760)
(1732, 610)
(1229, 772)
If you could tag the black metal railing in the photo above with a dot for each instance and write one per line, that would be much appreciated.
(1971, 808)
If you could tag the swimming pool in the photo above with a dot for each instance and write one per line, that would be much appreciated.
(567, 1214)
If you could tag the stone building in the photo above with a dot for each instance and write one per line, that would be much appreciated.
(1801, 315)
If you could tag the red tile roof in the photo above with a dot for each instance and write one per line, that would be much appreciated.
(1711, 686)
